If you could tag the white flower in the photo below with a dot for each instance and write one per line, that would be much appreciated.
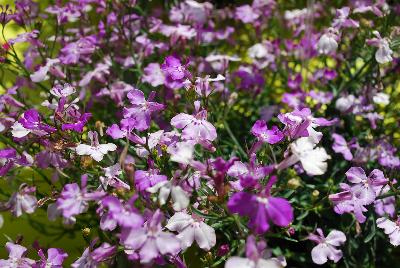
(312, 159)
(41, 74)
(327, 43)
(179, 197)
(238, 262)
(326, 248)
(181, 152)
(95, 150)
(381, 98)
(392, 229)
(192, 228)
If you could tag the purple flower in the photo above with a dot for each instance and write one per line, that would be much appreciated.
(340, 146)
(174, 69)
(246, 14)
(112, 179)
(72, 52)
(147, 179)
(195, 127)
(153, 75)
(74, 200)
(261, 131)
(114, 212)
(30, 122)
(23, 201)
(257, 256)
(79, 123)
(55, 258)
(262, 209)
(326, 248)
(92, 258)
(342, 19)
(391, 228)
(141, 109)
(16, 257)
(362, 192)
(150, 241)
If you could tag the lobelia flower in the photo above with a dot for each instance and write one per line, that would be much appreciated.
(111, 178)
(391, 228)
(312, 159)
(363, 192)
(346, 103)
(340, 145)
(16, 257)
(72, 52)
(202, 85)
(174, 69)
(246, 14)
(326, 248)
(262, 208)
(55, 258)
(79, 122)
(141, 110)
(114, 212)
(195, 127)
(327, 43)
(191, 228)
(52, 67)
(181, 152)
(179, 196)
(257, 256)
(265, 135)
(64, 91)
(92, 258)
(342, 19)
(153, 75)
(74, 200)
(95, 150)
(385, 205)
(150, 241)
(301, 123)
(30, 122)
(23, 201)
(384, 53)
(146, 179)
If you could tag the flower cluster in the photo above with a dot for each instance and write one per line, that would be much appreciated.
(189, 133)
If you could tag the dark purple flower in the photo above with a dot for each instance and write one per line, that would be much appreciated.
(174, 69)
(147, 179)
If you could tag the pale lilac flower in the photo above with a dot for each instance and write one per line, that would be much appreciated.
(74, 200)
(246, 14)
(391, 228)
(141, 109)
(220, 62)
(326, 248)
(341, 146)
(257, 256)
(153, 75)
(111, 178)
(180, 197)
(362, 192)
(23, 201)
(100, 71)
(327, 43)
(342, 19)
(202, 85)
(262, 209)
(16, 257)
(385, 205)
(117, 92)
(64, 91)
(114, 212)
(51, 66)
(92, 258)
(95, 150)
(191, 228)
(384, 53)
(72, 52)
(195, 127)
(150, 241)
(181, 152)
(55, 258)
(344, 104)
(313, 160)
